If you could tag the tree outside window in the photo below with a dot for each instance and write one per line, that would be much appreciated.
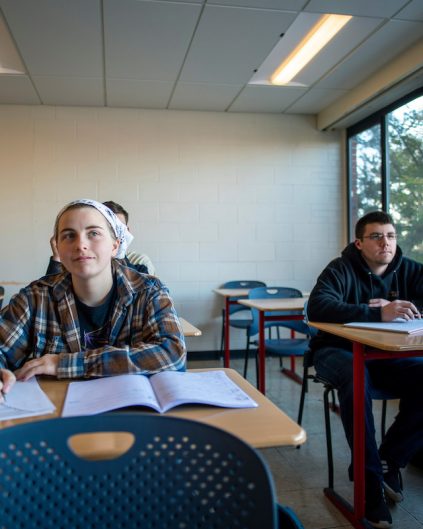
(391, 178)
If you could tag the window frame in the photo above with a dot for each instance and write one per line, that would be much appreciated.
(377, 118)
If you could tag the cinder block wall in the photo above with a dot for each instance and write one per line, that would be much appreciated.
(212, 196)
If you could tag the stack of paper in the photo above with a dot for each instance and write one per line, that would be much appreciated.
(24, 400)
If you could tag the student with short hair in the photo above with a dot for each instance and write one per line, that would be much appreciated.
(96, 318)
(372, 281)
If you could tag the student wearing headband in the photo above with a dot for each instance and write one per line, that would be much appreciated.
(140, 262)
(96, 318)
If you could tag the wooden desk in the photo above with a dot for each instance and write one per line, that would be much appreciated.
(264, 426)
(189, 329)
(266, 306)
(387, 345)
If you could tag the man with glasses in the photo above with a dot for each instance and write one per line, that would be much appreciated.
(372, 281)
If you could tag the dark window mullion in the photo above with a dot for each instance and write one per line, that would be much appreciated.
(384, 146)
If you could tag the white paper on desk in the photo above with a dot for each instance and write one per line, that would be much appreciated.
(25, 399)
(398, 325)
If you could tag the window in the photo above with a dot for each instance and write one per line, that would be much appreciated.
(385, 154)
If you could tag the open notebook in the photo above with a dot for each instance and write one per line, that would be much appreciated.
(161, 392)
(408, 327)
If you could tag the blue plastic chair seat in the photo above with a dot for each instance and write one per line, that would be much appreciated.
(240, 323)
(287, 346)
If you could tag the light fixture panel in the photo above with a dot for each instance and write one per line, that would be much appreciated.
(10, 61)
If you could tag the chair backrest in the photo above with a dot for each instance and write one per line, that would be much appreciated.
(177, 474)
(1, 296)
(241, 284)
(274, 292)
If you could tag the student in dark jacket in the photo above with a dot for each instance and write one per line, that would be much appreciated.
(372, 281)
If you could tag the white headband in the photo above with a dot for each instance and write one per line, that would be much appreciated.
(119, 228)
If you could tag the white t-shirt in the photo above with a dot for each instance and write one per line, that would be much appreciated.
(136, 258)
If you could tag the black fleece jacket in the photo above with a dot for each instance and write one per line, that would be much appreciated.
(346, 285)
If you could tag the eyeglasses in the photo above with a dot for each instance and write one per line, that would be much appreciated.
(379, 236)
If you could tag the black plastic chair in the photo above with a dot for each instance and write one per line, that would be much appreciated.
(177, 474)
(239, 323)
(329, 403)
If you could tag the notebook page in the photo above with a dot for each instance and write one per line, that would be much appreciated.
(173, 388)
(89, 397)
(25, 399)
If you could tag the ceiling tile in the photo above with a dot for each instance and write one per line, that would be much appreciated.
(136, 93)
(373, 54)
(412, 12)
(73, 91)
(266, 98)
(17, 90)
(364, 8)
(147, 40)
(315, 100)
(57, 37)
(231, 42)
(190, 96)
(283, 5)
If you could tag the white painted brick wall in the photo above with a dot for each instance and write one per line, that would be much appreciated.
(212, 197)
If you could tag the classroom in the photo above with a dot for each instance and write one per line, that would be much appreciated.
(165, 106)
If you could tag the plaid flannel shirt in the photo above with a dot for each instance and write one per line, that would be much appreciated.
(145, 334)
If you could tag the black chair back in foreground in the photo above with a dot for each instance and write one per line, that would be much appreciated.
(178, 474)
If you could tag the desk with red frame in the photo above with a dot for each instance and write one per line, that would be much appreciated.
(265, 307)
(367, 344)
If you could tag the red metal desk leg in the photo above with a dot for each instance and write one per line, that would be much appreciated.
(226, 357)
(355, 513)
(262, 355)
(359, 431)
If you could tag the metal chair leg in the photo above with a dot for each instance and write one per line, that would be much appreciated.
(328, 436)
(383, 425)
(304, 390)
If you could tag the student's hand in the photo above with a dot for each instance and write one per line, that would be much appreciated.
(400, 309)
(378, 302)
(45, 365)
(7, 379)
(53, 245)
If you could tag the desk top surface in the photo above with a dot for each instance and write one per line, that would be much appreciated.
(189, 329)
(232, 292)
(238, 292)
(275, 304)
(385, 340)
(264, 426)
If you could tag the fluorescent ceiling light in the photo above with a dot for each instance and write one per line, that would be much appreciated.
(10, 61)
(320, 34)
